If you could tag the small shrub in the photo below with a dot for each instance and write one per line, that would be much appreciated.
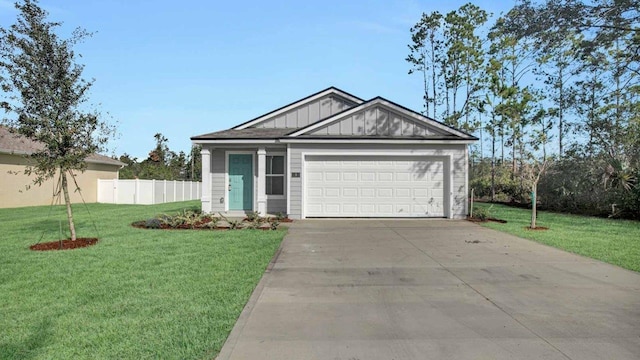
(213, 223)
(164, 219)
(482, 214)
(235, 224)
(253, 216)
(252, 225)
(274, 225)
(153, 223)
(281, 216)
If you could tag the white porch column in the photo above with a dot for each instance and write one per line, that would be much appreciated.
(206, 179)
(262, 170)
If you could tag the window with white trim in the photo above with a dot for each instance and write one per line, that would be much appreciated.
(275, 175)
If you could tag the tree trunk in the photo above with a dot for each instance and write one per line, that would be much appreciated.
(493, 167)
(67, 201)
(534, 205)
(433, 78)
(560, 114)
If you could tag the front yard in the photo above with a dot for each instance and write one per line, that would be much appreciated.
(614, 241)
(136, 294)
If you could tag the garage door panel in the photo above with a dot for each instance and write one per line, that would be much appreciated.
(402, 177)
(402, 192)
(385, 176)
(367, 192)
(315, 176)
(367, 176)
(385, 193)
(367, 208)
(349, 176)
(365, 186)
(332, 192)
(332, 176)
(350, 192)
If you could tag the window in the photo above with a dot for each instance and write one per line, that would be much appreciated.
(275, 175)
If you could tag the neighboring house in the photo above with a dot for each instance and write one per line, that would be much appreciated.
(333, 154)
(13, 182)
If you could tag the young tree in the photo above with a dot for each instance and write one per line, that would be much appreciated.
(462, 63)
(425, 54)
(44, 96)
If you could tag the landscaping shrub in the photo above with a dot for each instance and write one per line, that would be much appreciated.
(153, 223)
(482, 214)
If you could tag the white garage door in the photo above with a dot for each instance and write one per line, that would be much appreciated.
(374, 186)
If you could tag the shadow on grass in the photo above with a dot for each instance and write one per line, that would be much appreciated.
(31, 345)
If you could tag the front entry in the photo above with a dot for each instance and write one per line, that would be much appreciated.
(240, 182)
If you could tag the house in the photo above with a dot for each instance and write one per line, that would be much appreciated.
(13, 182)
(333, 154)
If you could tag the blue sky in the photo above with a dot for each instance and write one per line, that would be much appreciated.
(192, 67)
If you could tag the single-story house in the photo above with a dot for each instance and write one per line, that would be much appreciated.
(333, 154)
(13, 161)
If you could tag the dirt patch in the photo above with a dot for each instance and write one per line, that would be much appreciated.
(64, 244)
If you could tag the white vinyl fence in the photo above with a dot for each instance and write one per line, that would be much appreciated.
(117, 191)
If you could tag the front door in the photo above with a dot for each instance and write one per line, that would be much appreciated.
(240, 182)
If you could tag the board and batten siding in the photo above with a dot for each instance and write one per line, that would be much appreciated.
(309, 113)
(377, 121)
(457, 153)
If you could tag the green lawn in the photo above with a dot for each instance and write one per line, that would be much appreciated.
(614, 241)
(137, 294)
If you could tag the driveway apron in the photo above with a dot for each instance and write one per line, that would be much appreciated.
(434, 289)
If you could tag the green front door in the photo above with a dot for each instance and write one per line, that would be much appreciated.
(240, 182)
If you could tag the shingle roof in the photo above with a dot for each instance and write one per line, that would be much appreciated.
(248, 133)
(249, 130)
(19, 145)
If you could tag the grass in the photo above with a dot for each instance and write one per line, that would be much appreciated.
(136, 294)
(613, 241)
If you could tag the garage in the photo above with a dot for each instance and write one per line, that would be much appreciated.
(374, 186)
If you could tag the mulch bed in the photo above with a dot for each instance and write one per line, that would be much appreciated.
(64, 245)
(197, 226)
(536, 228)
(473, 219)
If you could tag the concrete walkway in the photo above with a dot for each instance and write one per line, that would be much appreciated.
(434, 289)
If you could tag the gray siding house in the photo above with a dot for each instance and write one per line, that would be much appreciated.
(332, 154)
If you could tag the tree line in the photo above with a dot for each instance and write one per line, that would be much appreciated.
(551, 90)
(163, 163)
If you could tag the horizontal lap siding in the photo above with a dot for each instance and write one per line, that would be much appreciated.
(457, 153)
(275, 206)
(217, 180)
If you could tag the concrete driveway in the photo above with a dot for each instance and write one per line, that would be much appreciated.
(434, 289)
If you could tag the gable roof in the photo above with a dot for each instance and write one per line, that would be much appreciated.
(15, 144)
(328, 91)
(441, 129)
(380, 119)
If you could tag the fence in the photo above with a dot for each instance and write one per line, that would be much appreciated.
(116, 191)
